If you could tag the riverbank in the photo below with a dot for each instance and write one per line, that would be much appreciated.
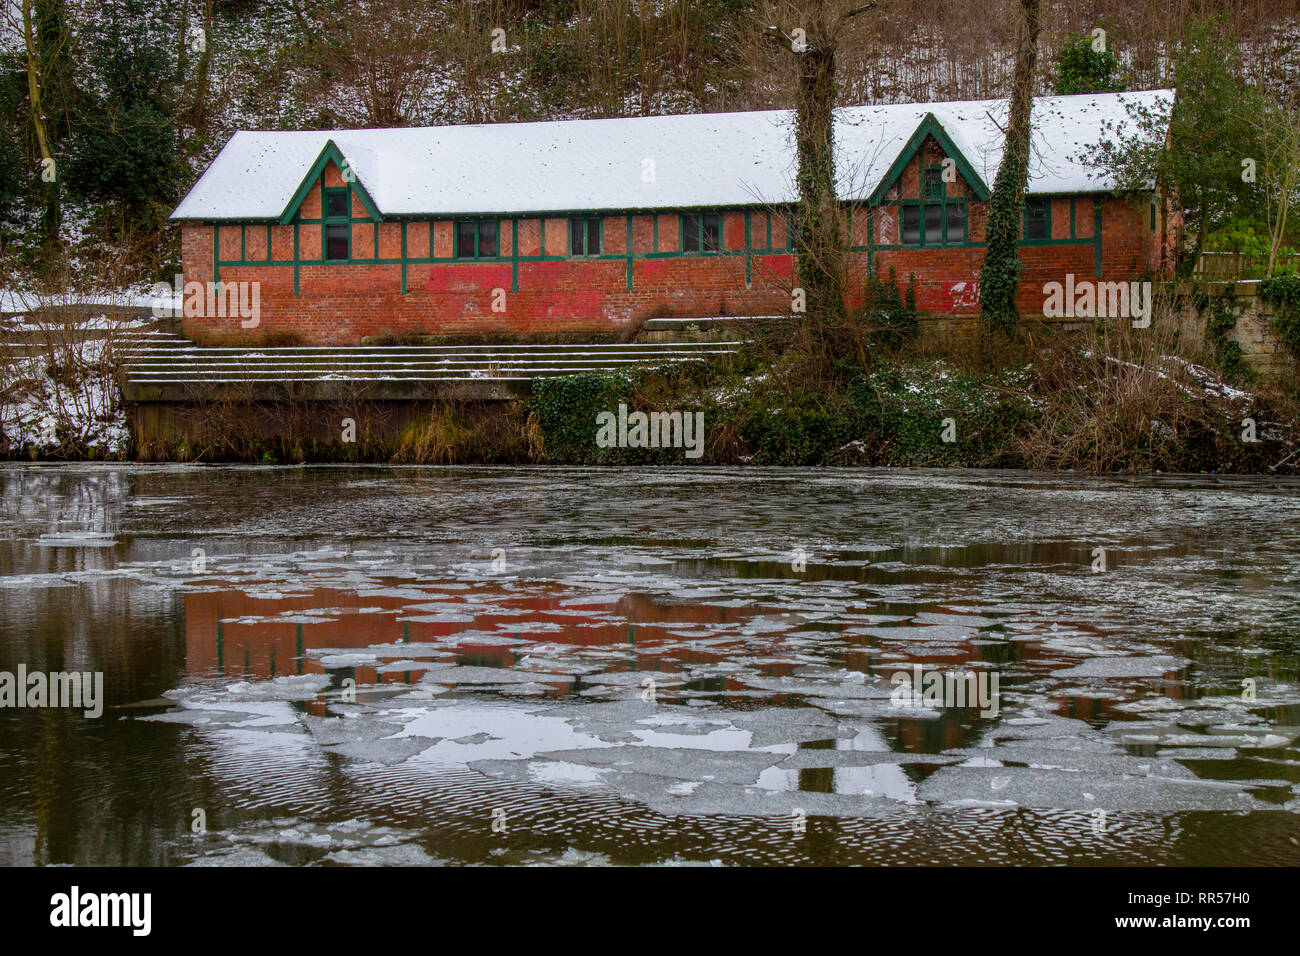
(1099, 400)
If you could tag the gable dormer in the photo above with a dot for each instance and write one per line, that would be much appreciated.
(332, 189)
(924, 198)
(930, 167)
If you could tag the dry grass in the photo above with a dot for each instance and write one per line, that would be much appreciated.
(1122, 399)
(491, 433)
(438, 438)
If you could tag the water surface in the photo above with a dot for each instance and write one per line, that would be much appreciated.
(344, 665)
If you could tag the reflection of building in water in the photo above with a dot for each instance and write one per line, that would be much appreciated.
(238, 634)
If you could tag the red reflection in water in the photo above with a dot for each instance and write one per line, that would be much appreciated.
(237, 634)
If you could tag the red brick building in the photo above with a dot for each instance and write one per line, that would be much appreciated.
(595, 225)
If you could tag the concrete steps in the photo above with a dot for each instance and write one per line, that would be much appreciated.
(161, 366)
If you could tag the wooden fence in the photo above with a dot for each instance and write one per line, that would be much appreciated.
(1226, 266)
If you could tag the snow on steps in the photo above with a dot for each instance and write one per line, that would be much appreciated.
(172, 368)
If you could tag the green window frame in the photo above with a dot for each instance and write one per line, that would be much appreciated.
(1038, 220)
(478, 239)
(336, 228)
(933, 223)
(585, 235)
(933, 187)
(341, 193)
(701, 232)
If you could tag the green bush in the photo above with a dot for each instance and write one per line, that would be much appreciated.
(566, 409)
(892, 315)
(1081, 69)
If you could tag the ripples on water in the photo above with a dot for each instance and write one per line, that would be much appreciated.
(407, 665)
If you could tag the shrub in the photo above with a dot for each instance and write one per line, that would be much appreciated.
(891, 316)
(566, 410)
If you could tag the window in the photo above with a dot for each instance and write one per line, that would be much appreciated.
(933, 223)
(487, 238)
(911, 233)
(337, 241)
(584, 236)
(338, 234)
(1037, 221)
(466, 237)
(477, 239)
(956, 222)
(336, 204)
(934, 182)
(701, 231)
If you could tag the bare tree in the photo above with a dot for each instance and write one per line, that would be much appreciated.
(811, 29)
(384, 63)
(1279, 173)
(45, 35)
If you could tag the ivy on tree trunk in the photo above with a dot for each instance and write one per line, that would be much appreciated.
(1000, 274)
(819, 247)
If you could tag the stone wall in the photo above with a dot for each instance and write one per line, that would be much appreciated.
(1261, 347)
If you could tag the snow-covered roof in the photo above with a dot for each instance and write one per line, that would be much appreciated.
(652, 162)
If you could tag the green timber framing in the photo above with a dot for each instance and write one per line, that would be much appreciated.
(750, 250)
(755, 216)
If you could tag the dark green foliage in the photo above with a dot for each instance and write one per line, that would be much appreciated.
(1081, 69)
(802, 433)
(566, 410)
(1212, 128)
(890, 416)
(124, 145)
(11, 164)
(892, 316)
(1284, 292)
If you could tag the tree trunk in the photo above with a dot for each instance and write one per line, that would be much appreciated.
(1187, 267)
(183, 51)
(1288, 177)
(34, 81)
(200, 118)
(51, 216)
(1000, 274)
(819, 244)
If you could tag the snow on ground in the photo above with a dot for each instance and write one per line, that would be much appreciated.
(135, 297)
(67, 398)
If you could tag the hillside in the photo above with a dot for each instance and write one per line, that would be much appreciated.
(137, 96)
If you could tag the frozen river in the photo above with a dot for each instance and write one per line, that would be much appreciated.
(344, 665)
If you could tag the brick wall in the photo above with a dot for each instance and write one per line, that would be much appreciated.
(338, 303)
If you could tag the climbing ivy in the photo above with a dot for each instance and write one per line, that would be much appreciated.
(1000, 274)
(1219, 324)
(1284, 292)
(566, 409)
